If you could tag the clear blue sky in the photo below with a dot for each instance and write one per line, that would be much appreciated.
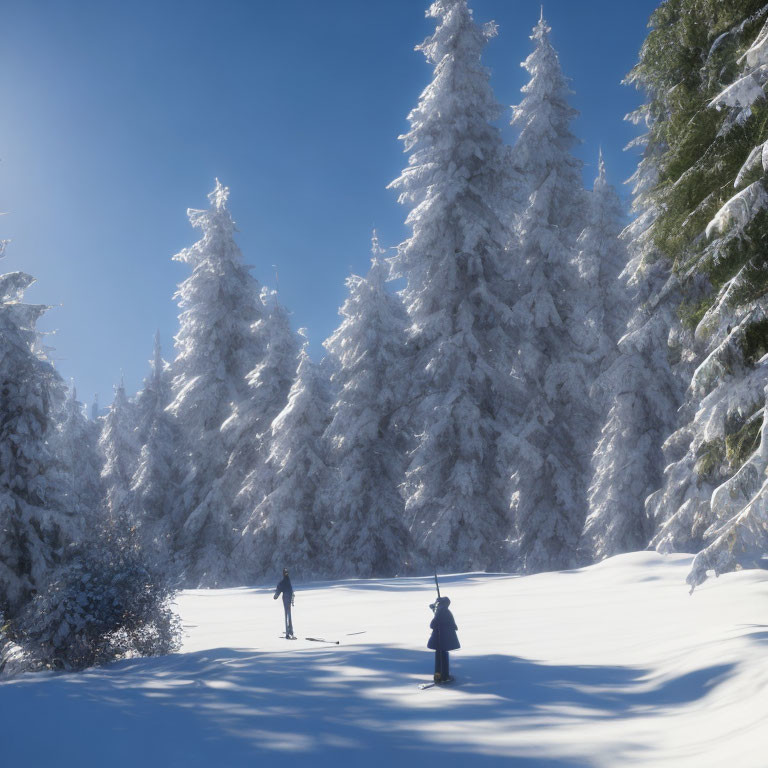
(116, 117)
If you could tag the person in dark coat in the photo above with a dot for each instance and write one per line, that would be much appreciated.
(443, 639)
(284, 587)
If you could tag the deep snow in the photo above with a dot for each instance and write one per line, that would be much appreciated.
(611, 665)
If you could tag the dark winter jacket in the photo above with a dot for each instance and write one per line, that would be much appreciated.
(443, 626)
(285, 587)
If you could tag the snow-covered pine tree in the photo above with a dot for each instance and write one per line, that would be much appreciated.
(641, 394)
(739, 536)
(155, 394)
(554, 419)
(639, 390)
(247, 429)
(543, 119)
(367, 535)
(120, 448)
(216, 348)
(155, 483)
(75, 444)
(454, 264)
(36, 528)
(715, 220)
(602, 304)
(286, 525)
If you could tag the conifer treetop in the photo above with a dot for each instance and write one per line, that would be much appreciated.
(544, 115)
(216, 223)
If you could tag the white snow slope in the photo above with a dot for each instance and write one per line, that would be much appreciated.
(611, 665)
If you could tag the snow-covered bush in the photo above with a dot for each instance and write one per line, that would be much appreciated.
(13, 660)
(106, 604)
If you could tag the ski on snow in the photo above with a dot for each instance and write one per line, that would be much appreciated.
(433, 684)
(320, 640)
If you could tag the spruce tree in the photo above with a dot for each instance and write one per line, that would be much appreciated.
(635, 384)
(286, 525)
(37, 528)
(75, 444)
(714, 193)
(701, 65)
(454, 264)
(216, 348)
(641, 393)
(553, 415)
(247, 430)
(156, 480)
(602, 304)
(368, 536)
(640, 389)
(155, 394)
(120, 448)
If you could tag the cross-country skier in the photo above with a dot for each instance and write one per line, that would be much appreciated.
(285, 587)
(443, 639)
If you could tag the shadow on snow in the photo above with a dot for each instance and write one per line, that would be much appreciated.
(353, 705)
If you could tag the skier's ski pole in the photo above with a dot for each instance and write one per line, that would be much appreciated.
(437, 585)
(320, 640)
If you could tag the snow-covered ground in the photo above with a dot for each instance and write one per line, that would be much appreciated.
(612, 665)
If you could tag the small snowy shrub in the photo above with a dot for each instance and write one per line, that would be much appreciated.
(12, 657)
(106, 604)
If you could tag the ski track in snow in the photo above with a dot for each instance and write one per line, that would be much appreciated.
(611, 665)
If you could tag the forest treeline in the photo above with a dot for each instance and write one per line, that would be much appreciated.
(551, 386)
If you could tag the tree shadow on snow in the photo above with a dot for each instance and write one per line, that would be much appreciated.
(759, 636)
(356, 705)
(398, 583)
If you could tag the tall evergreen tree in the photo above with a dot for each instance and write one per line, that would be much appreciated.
(247, 430)
(120, 449)
(543, 120)
(602, 304)
(641, 394)
(552, 406)
(640, 389)
(689, 58)
(286, 524)
(637, 387)
(739, 507)
(156, 480)
(75, 444)
(454, 263)
(36, 526)
(713, 192)
(155, 394)
(216, 348)
(368, 535)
